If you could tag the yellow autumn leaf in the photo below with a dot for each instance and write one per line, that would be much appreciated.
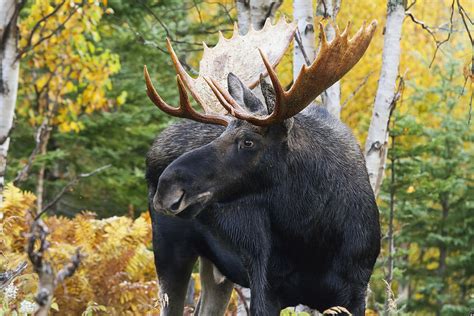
(122, 98)
(410, 189)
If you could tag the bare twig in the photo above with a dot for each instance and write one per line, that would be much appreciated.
(431, 32)
(38, 23)
(30, 47)
(325, 12)
(410, 5)
(357, 89)
(48, 279)
(464, 16)
(196, 6)
(23, 173)
(157, 18)
(70, 184)
(301, 47)
(226, 10)
(8, 276)
(422, 24)
(470, 109)
(243, 299)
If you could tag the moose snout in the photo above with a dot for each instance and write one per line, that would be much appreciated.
(170, 199)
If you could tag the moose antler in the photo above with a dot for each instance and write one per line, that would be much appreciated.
(334, 60)
(217, 62)
(185, 110)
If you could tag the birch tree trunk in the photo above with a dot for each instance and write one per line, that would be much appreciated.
(332, 96)
(303, 13)
(44, 139)
(9, 69)
(377, 138)
(243, 15)
(253, 13)
(304, 54)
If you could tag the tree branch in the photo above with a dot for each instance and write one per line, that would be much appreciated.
(27, 48)
(300, 45)
(243, 299)
(40, 132)
(410, 5)
(43, 19)
(464, 15)
(8, 276)
(431, 32)
(157, 18)
(70, 184)
(48, 279)
(357, 89)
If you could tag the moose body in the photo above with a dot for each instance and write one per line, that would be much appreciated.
(279, 201)
(307, 220)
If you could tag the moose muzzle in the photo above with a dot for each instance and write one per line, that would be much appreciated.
(172, 201)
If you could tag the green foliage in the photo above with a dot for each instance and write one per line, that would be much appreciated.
(433, 187)
(122, 134)
(432, 153)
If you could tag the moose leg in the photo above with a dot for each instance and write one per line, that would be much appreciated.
(263, 300)
(215, 290)
(174, 261)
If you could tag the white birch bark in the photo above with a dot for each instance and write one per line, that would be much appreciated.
(243, 15)
(8, 78)
(303, 14)
(377, 138)
(331, 97)
(253, 13)
(260, 10)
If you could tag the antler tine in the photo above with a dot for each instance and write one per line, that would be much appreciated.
(237, 111)
(218, 92)
(229, 52)
(155, 97)
(187, 80)
(322, 36)
(334, 60)
(185, 110)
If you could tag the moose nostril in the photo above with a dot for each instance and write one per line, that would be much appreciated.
(177, 203)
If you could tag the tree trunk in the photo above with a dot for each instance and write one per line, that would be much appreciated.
(40, 181)
(253, 13)
(9, 68)
(303, 13)
(390, 303)
(377, 139)
(243, 15)
(304, 52)
(331, 97)
(403, 291)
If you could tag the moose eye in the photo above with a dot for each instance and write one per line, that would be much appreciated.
(247, 143)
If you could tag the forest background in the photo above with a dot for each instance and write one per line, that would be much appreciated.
(83, 125)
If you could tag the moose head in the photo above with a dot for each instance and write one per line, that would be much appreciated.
(247, 157)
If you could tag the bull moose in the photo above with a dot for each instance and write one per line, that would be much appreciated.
(270, 193)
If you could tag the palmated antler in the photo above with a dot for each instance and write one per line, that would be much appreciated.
(238, 55)
(334, 60)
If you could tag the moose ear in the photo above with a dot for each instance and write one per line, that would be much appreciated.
(268, 94)
(242, 95)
